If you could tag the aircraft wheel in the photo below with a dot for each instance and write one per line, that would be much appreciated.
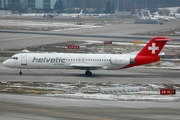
(88, 73)
(20, 73)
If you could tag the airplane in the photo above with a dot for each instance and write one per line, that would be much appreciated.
(148, 54)
(48, 16)
(150, 16)
(140, 15)
(176, 15)
(164, 18)
(145, 19)
(77, 15)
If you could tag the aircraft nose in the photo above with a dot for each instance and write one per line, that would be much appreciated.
(5, 63)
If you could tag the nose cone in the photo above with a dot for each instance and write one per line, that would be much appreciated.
(6, 63)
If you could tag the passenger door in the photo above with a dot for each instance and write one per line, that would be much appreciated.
(23, 59)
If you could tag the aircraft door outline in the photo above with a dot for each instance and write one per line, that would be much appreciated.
(23, 59)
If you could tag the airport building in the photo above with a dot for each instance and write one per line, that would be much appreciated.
(33, 4)
(4, 3)
(41, 4)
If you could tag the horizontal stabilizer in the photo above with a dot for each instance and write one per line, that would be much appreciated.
(163, 39)
(161, 53)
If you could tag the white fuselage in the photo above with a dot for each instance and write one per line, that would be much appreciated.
(166, 18)
(68, 61)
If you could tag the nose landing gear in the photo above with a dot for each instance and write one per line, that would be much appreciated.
(88, 73)
(20, 73)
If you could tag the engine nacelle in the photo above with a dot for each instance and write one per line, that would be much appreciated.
(121, 61)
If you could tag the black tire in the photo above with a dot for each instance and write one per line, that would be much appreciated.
(88, 73)
(20, 73)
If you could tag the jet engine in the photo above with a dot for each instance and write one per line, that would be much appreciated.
(121, 61)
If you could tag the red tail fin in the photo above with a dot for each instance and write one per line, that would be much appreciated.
(150, 53)
(154, 46)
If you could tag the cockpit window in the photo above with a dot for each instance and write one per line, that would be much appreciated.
(15, 58)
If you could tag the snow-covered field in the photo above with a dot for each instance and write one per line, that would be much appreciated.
(138, 96)
(41, 26)
(150, 92)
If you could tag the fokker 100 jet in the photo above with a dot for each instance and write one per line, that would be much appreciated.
(148, 54)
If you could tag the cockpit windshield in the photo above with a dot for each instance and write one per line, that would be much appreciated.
(15, 58)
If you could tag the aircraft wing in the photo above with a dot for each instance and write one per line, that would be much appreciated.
(84, 66)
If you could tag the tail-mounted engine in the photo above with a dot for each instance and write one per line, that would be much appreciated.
(121, 61)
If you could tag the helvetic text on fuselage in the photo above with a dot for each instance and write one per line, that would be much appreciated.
(56, 60)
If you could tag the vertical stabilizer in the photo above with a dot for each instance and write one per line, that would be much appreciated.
(153, 47)
(150, 52)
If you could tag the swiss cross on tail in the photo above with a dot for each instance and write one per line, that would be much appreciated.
(153, 48)
(150, 52)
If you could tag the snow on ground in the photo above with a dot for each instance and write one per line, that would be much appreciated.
(49, 25)
(149, 92)
(173, 68)
(32, 14)
(131, 96)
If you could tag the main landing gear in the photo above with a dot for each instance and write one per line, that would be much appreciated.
(88, 73)
(20, 73)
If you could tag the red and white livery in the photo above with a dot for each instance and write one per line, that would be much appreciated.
(88, 62)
